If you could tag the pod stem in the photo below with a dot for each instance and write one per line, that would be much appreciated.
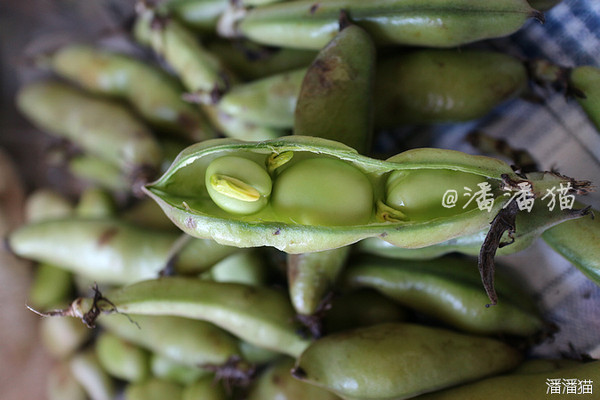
(235, 372)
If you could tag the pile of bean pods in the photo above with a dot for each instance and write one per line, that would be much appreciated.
(239, 239)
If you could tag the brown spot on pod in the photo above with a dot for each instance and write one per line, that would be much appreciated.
(107, 236)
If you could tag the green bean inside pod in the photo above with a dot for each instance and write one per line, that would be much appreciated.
(293, 223)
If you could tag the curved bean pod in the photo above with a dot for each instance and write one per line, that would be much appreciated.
(398, 361)
(200, 71)
(182, 340)
(434, 23)
(165, 368)
(260, 316)
(186, 202)
(430, 86)
(199, 15)
(87, 371)
(111, 251)
(449, 290)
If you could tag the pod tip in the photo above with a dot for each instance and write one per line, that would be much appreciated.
(538, 15)
(298, 373)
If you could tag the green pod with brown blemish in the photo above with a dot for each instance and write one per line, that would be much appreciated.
(100, 127)
(535, 386)
(110, 250)
(399, 361)
(325, 195)
(121, 359)
(277, 383)
(182, 340)
(430, 86)
(155, 95)
(433, 23)
(336, 98)
(153, 389)
(269, 101)
(449, 289)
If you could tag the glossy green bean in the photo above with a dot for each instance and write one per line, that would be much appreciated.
(435, 23)
(450, 290)
(430, 86)
(399, 361)
(182, 340)
(199, 15)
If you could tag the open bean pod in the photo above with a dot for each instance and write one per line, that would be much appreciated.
(304, 194)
